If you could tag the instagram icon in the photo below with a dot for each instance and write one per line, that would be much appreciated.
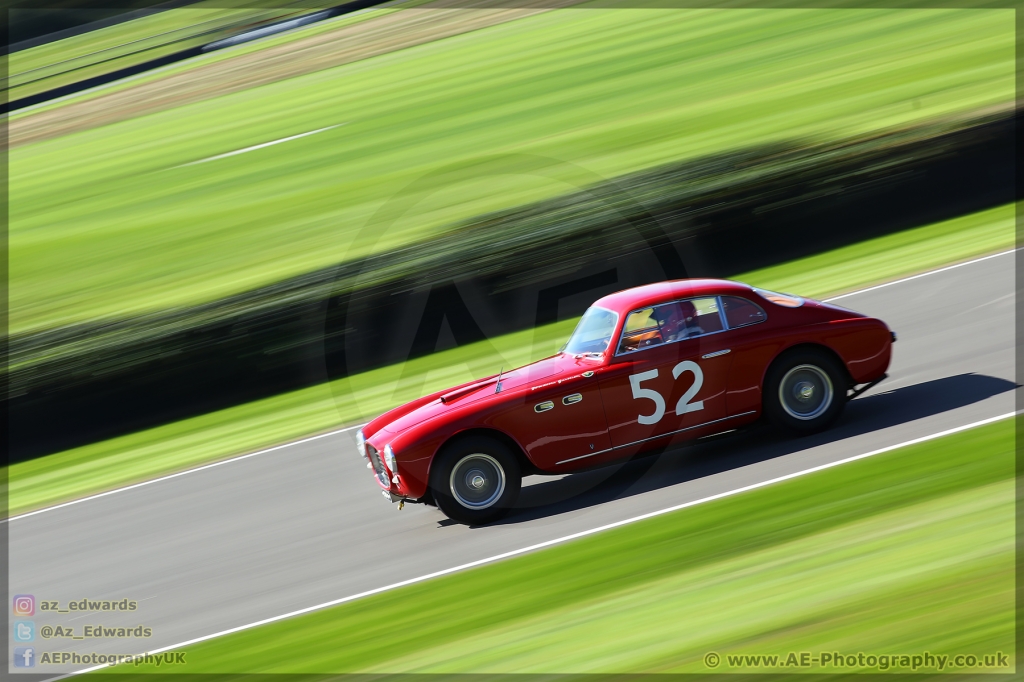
(24, 605)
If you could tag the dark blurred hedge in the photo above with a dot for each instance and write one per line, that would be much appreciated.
(715, 216)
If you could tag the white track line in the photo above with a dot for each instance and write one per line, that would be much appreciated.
(565, 538)
(259, 146)
(923, 274)
(181, 473)
(331, 433)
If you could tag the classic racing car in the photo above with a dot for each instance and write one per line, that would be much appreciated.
(644, 368)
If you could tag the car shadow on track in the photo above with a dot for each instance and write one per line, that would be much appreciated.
(758, 443)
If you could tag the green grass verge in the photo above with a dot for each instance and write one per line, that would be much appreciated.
(894, 255)
(105, 223)
(902, 553)
(179, 445)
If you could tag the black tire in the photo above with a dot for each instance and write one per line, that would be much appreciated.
(475, 480)
(805, 391)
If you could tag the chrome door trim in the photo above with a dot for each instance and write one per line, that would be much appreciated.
(716, 354)
(663, 435)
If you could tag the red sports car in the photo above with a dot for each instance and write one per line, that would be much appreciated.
(645, 367)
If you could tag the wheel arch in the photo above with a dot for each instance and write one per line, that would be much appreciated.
(525, 465)
(803, 347)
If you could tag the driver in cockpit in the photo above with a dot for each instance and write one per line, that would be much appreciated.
(677, 321)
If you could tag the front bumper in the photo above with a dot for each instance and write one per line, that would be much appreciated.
(393, 497)
(390, 484)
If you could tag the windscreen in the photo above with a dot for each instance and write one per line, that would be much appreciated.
(593, 332)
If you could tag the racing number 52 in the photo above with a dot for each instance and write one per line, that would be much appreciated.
(682, 406)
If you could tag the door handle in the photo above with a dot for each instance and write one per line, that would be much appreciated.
(716, 354)
(544, 406)
(572, 399)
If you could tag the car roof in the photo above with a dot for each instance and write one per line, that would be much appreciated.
(661, 292)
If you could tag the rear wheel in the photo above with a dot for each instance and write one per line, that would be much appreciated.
(805, 391)
(475, 480)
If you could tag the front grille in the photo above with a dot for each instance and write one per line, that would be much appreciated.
(378, 466)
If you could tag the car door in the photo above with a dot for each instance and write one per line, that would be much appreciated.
(559, 420)
(753, 345)
(666, 379)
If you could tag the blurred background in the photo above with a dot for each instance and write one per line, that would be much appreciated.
(235, 226)
(213, 204)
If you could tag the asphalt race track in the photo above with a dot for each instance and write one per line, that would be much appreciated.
(303, 525)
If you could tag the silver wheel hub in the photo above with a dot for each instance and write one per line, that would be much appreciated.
(477, 481)
(806, 392)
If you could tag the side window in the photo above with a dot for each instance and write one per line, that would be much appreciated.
(686, 319)
(740, 312)
(670, 322)
(701, 315)
(708, 317)
(640, 331)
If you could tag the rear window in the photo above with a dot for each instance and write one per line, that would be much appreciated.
(739, 312)
(785, 300)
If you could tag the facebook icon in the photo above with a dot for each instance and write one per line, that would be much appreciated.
(24, 657)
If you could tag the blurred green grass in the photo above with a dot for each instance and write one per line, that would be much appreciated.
(103, 223)
(249, 427)
(905, 552)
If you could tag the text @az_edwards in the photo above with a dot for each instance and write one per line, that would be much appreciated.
(95, 632)
(837, 660)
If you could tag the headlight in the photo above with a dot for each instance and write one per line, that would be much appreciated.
(389, 459)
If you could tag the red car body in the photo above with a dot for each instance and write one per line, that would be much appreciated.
(573, 411)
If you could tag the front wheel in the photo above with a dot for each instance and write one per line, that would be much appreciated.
(805, 391)
(475, 480)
